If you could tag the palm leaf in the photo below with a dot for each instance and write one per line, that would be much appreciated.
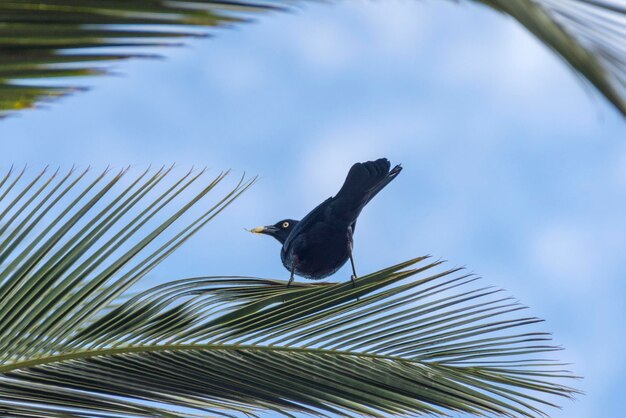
(44, 39)
(414, 338)
(590, 36)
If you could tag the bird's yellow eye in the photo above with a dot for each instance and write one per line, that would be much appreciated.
(285, 224)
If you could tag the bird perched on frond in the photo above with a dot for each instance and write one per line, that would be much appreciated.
(321, 243)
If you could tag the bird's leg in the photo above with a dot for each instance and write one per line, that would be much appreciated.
(293, 269)
(354, 276)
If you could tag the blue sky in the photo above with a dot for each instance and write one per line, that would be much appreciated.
(512, 165)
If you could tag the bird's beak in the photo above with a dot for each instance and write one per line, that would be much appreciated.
(267, 230)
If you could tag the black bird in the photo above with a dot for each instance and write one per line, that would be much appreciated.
(321, 243)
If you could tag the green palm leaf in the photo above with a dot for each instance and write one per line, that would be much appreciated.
(588, 34)
(415, 338)
(43, 39)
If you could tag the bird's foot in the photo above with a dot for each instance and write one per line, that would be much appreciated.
(353, 277)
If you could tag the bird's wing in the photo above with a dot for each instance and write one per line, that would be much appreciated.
(363, 182)
(317, 214)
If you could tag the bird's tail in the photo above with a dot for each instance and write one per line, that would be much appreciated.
(363, 182)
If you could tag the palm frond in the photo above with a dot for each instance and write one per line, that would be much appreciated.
(45, 39)
(590, 36)
(70, 246)
(414, 338)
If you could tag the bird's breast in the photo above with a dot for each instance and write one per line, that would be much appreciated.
(318, 252)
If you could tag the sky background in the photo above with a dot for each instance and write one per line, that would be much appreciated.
(513, 166)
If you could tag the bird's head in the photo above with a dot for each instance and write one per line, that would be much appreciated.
(280, 230)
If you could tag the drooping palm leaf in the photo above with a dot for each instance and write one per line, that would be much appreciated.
(590, 35)
(43, 39)
(406, 340)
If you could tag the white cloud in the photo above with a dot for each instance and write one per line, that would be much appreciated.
(341, 38)
(333, 150)
(518, 74)
(505, 57)
(325, 45)
(567, 255)
(393, 28)
(620, 168)
(523, 65)
(236, 72)
(326, 165)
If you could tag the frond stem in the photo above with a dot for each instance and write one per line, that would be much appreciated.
(82, 354)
